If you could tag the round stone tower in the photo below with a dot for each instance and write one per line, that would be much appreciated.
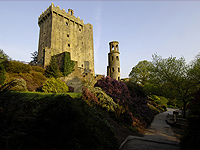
(113, 69)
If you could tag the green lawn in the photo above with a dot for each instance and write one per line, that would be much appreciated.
(38, 95)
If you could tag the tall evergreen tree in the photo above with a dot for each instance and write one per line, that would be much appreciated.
(52, 69)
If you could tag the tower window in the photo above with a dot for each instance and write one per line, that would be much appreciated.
(113, 69)
(118, 69)
(66, 23)
(118, 78)
(112, 57)
(79, 29)
(67, 35)
(68, 45)
(113, 48)
(117, 57)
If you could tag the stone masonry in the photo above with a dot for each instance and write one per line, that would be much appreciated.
(60, 32)
(113, 68)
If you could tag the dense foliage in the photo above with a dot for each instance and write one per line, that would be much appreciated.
(133, 107)
(3, 56)
(52, 69)
(191, 137)
(34, 78)
(89, 97)
(53, 85)
(68, 64)
(2, 74)
(140, 73)
(172, 78)
(105, 101)
(136, 88)
(17, 67)
(55, 122)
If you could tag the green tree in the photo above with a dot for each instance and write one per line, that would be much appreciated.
(2, 74)
(171, 77)
(3, 56)
(34, 57)
(52, 69)
(68, 64)
(140, 73)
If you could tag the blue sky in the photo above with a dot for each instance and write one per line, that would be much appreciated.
(142, 28)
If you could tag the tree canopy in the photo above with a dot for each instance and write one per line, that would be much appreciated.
(173, 78)
(140, 73)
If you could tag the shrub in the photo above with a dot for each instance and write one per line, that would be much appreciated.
(71, 89)
(2, 74)
(66, 123)
(121, 95)
(104, 100)
(37, 69)
(53, 85)
(52, 69)
(89, 97)
(136, 88)
(191, 137)
(15, 85)
(17, 67)
(53, 122)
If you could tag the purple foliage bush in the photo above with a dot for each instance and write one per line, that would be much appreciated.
(136, 107)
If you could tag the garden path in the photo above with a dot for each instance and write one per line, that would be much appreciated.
(158, 135)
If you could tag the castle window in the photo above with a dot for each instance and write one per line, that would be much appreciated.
(113, 69)
(113, 48)
(112, 57)
(118, 69)
(118, 78)
(117, 57)
(79, 29)
(67, 35)
(68, 45)
(66, 23)
(117, 47)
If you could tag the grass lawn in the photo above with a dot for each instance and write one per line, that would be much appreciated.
(38, 95)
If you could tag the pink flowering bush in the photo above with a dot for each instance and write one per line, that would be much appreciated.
(135, 107)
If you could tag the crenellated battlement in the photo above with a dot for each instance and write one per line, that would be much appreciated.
(67, 15)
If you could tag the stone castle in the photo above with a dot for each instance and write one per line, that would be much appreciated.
(60, 32)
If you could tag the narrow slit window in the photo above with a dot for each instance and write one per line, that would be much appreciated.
(113, 69)
(117, 57)
(68, 45)
(112, 57)
(67, 35)
(118, 69)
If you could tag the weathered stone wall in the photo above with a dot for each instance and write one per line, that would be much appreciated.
(61, 31)
(113, 68)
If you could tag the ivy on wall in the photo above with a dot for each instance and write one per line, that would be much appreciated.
(68, 64)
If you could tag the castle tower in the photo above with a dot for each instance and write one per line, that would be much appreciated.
(113, 68)
(61, 31)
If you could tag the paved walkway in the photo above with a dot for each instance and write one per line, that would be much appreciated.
(158, 136)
